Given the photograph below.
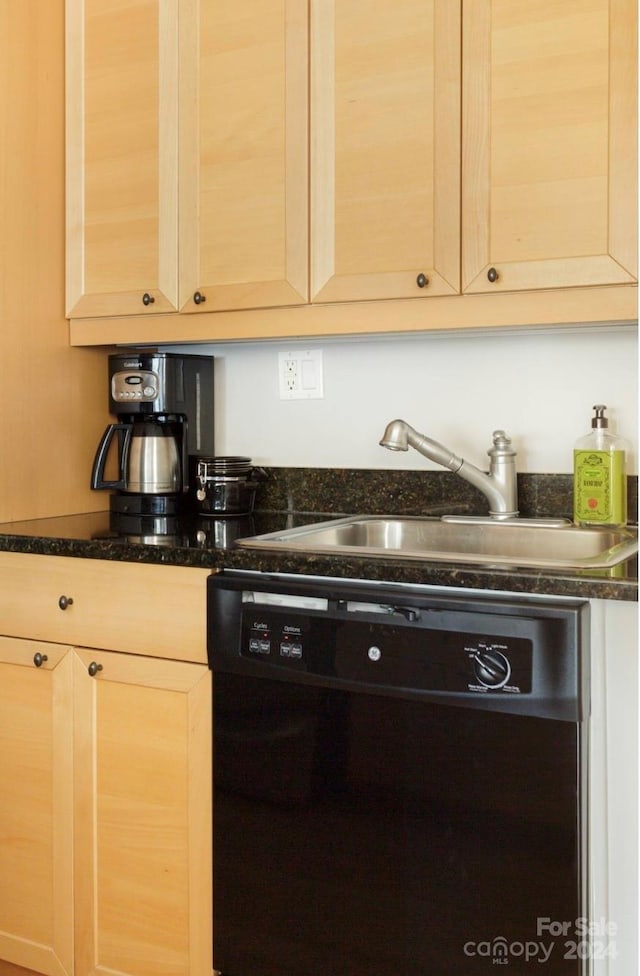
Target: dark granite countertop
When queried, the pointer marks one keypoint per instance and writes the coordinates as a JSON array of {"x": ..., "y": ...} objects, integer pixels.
[
  {"x": 209, "y": 543},
  {"x": 297, "y": 496}
]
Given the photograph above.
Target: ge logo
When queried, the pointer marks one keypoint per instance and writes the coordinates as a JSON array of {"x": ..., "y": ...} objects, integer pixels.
[{"x": 374, "y": 653}]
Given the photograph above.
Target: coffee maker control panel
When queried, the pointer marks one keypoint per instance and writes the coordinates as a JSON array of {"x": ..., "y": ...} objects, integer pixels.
[
  {"x": 142, "y": 386},
  {"x": 147, "y": 384}
]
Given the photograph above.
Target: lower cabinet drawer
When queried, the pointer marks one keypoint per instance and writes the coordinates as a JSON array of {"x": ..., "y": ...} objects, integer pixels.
[{"x": 133, "y": 607}]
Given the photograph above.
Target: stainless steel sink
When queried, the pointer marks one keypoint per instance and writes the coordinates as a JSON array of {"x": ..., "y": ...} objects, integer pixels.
[{"x": 516, "y": 542}]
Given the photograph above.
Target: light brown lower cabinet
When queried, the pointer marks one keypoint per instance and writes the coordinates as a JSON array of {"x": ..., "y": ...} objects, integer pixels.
[
  {"x": 36, "y": 806},
  {"x": 105, "y": 813}
]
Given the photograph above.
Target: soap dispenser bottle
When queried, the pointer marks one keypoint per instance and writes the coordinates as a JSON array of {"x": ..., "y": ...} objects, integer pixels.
[{"x": 599, "y": 475}]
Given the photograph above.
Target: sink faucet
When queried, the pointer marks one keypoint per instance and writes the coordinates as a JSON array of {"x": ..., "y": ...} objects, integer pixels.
[{"x": 499, "y": 486}]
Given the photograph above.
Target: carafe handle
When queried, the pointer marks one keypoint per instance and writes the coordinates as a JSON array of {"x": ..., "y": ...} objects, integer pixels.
[{"x": 97, "y": 474}]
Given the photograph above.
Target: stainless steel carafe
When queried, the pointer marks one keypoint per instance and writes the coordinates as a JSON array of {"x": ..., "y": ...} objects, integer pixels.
[
  {"x": 153, "y": 464},
  {"x": 148, "y": 458}
]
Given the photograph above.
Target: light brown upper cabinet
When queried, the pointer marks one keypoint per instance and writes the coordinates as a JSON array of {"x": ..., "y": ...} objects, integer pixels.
[
  {"x": 385, "y": 149},
  {"x": 187, "y": 172},
  {"x": 549, "y": 161},
  {"x": 243, "y": 154},
  {"x": 122, "y": 156},
  {"x": 313, "y": 154}
]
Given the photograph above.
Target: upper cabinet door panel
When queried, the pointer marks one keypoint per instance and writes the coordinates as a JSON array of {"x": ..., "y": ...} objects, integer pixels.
[
  {"x": 549, "y": 144},
  {"x": 243, "y": 154},
  {"x": 122, "y": 77},
  {"x": 385, "y": 149}
]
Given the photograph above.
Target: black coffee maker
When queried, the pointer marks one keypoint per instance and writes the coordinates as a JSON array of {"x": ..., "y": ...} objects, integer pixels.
[{"x": 164, "y": 405}]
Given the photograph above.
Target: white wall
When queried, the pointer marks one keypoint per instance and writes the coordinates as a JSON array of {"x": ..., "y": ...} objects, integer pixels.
[{"x": 457, "y": 388}]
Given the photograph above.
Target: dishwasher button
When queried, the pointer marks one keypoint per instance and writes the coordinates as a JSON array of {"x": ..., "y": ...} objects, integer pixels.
[
  {"x": 258, "y": 645},
  {"x": 291, "y": 650}
]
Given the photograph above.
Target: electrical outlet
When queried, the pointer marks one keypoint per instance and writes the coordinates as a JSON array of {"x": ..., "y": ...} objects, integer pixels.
[
  {"x": 290, "y": 377},
  {"x": 300, "y": 374}
]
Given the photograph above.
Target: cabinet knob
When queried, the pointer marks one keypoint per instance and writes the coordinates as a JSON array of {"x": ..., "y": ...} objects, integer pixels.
[
  {"x": 39, "y": 659},
  {"x": 147, "y": 299},
  {"x": 422, "y": 281},
  {"x": 199, "y": 298},
  {"x": 93, "y": 668},
  {"x": 64, "y": 602},
  {"x": 492, "y": 275}
]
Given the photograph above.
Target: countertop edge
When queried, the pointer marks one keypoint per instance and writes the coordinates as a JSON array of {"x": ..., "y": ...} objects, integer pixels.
[{"x": 515, "y": 580}]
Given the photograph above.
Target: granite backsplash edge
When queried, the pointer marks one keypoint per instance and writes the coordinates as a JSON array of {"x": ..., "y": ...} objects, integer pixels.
[{"x": 344, "y": 491}]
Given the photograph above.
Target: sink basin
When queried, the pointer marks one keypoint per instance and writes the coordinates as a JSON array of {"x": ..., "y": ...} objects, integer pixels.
[{"x": 517, "y": 542}]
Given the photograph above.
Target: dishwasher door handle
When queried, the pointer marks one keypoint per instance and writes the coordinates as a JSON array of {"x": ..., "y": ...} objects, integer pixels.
[{"x": 409, "y": 613}]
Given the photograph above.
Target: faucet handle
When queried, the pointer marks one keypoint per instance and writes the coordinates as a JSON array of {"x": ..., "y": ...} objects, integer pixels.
[{"x": 501, "y": 445}]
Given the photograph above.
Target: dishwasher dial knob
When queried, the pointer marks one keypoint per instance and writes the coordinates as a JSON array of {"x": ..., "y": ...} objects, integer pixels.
[{"x": 491, "y": 667}]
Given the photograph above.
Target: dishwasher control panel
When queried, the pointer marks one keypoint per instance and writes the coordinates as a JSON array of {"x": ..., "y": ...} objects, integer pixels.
[
  {"x": 284, "y": 640},
  {"x": 500, "y": 652},
  {"x": 350, "y": 647}
]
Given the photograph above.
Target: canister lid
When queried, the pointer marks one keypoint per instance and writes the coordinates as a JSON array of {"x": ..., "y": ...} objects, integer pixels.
[{"x": 229, "y": 467}]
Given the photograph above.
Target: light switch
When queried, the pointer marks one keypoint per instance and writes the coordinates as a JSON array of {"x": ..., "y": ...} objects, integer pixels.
[{"x": 309, "y": 381}]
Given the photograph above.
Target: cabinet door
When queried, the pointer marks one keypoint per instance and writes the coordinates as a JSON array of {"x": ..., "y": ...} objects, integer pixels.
[
  {"x": 549, "y": 135},
  {"x": 243, "y": 154},
  {"x": 385, "y": 157},
  {"x": 143, "y": 775},
  {"x": 122, "y": 76},
  {"x": 36, "y": 773}
]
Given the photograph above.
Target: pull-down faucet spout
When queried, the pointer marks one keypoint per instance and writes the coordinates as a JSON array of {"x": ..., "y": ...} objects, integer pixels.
[{"x": 499, "y": 486}]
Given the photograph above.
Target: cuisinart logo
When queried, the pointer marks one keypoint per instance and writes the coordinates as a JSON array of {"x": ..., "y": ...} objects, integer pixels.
[{"x": 132, "y": 364}]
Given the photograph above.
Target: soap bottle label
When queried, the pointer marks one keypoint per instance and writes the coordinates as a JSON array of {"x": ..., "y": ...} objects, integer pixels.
[{"x": 599, "y": 487}]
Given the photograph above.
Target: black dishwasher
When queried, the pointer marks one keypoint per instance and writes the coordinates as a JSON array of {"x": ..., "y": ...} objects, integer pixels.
[{"x": 399, "y": 779}]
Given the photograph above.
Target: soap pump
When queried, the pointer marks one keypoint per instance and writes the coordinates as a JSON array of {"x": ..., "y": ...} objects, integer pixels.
[{"x": 599, "y": 475}]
